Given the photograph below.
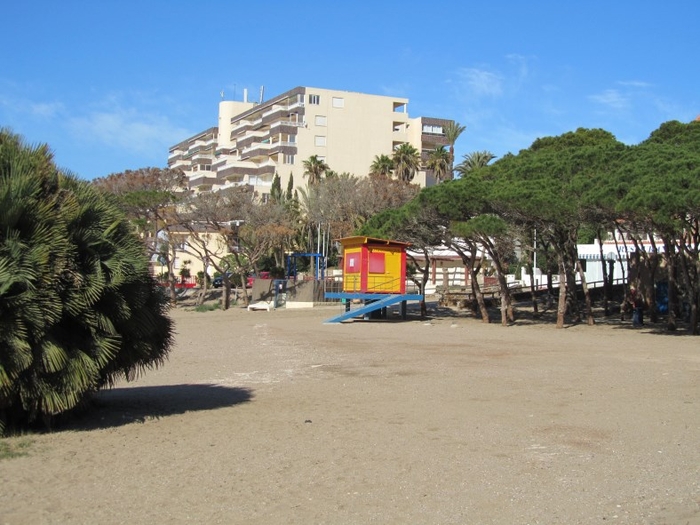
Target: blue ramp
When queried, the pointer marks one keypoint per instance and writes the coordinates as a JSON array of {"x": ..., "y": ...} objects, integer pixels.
[{"x": 376, "y": 304}]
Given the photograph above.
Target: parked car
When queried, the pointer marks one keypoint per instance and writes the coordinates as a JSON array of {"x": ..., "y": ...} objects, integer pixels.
[
  {"x": 218, "y": 282},
  {"x": 251, "y": 278}
]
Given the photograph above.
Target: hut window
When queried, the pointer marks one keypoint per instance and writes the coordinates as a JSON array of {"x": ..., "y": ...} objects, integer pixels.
[
  {"x": 352, "y": 263},
  {"x": 376, "y": 262}
]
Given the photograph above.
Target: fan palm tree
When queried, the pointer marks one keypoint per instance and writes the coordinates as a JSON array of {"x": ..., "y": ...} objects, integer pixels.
[
  {"x": 439, "y": 163},
  {"x": 452, "y": 132},
  {"x": 472, "y": 161},
  {"x": 78, "y": 307},
  {"x": 314, "y": 168},
  {"x": 382, "y": 165},
  {"x": 407, "y": 162}
]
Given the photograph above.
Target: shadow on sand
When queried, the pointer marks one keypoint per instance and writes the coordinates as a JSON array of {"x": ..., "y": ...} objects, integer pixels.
[{"x": 121, "y": 406}]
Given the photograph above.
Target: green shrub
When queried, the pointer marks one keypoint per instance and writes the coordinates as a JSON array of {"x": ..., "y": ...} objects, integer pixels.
[
  {"x": 207, "y": 307},
  {"x": 78, "y": 308}
]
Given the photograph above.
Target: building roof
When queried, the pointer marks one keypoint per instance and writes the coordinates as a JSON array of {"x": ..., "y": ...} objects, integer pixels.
[{"x": 361, "y": 239}]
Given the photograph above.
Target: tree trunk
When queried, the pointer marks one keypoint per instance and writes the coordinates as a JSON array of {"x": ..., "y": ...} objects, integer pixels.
[
  {"x": 590, "y": 320},
  {"x": 172, "y": 278},
  {"x": 671, "y": 269},
  {"x": 561, "y": 307},
  {"x": 478, "y": 295},
  {"x": 425, "y": 277},
  {"x": 606, "y": 279},
  {"x": 533, "y": 290},
  {"x": 571, "y": 297},
  {"x": 202, "y": 291},
  {"x": 506, "y": 305},
  {"x": 470, "y": 263}
]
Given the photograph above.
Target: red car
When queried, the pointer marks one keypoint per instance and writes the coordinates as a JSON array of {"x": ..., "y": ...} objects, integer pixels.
[{"x": 251, "y": 278}]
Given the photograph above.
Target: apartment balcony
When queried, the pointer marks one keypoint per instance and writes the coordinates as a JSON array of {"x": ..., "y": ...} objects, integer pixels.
[
  {"x": 286, "y": 127},
  {"x": 237, "y": 170},
  {"x": 259, "y": 181},
  {"x": 203, "y": 157},
  {"x": 222, "y": 150},
  {"x": 234, "y": 178},
  {"x": 202, "y": 182},
  {"x": 174, "y": 157},
  {"x": 252, "y": 138},
  {"x": 276, "y": 109},
  {"x": 220, "y": 162},
  {"x": 269, "y": 168},
  {"x": 177, "y": 150},
  {"x": 282, "y": 114},
  {"x": 261, "y": 151},
  {"x": 178, "y": 163},
  {"x": 290, "y": 123},
  {"x": 231, "y": 184},
  {"x": 193, "y": 151},
  {"x": 257, "y": 151},
  {"x": 286, "y": 106},
  {"x": 242, "y": 126},
  {"x": 208, "y": 141}
]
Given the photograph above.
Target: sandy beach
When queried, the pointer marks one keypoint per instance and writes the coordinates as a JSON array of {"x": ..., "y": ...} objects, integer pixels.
[{"x": 275, "y": 417}]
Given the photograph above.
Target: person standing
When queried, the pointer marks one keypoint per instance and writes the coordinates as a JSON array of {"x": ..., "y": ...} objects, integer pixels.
[{"x": 637, "y": 308}]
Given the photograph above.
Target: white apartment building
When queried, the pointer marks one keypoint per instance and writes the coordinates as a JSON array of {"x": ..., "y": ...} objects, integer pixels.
[{"x": 347, "y": 130}]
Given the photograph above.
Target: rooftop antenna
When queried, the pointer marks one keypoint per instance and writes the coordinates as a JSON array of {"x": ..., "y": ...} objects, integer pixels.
[
  {"x": 222, "y": 94},
  {"x": 262, "y": 92}
]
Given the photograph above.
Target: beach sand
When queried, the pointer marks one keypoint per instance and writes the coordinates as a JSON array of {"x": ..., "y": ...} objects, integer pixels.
[{"x": 275, "y": 417}]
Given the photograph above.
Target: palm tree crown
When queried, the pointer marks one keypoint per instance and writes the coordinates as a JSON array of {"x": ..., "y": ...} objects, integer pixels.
[
  {"x": 314, "y": 168},
  {"x": 472, "y": 161},
  {"x": 406, "y": 162},
  {"x": 439, "y": 163},
  {"x": 452, "y": 132},
  {"x": 382, "y": 165}
]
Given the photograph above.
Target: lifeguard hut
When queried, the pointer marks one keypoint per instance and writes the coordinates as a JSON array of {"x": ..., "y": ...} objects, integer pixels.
[{"x": 374, "y": 272}]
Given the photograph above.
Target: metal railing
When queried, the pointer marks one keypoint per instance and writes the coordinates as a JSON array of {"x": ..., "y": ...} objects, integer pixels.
[{"x": 375, "y": 284}]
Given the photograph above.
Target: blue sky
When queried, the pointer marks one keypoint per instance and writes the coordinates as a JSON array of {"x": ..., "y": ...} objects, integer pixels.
[{"x": 111, "y": 85}]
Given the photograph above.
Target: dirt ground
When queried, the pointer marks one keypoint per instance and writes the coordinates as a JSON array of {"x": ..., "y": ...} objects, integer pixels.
[{"x": 275, "y": 417}]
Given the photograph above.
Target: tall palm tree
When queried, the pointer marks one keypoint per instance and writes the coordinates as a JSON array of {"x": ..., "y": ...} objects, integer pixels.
[
  {"x": 314, "y": 168},
  {"x": 382, "y": 165},
  {"x": 439, "y": 163},
  {"x": 406, "y": 162},
  {"x": 452, "y": 132},
  {"x": 472, "y": 161}
]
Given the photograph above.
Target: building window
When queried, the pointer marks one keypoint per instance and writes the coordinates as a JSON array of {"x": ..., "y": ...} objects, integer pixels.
[
  {"x": 288, "y": 159},
  {"x": 315, "y": 99},
  {"x": 338, "y": 102},
  {"x": 320, "y": 140},
  {"x": 320, "y": 120},
  {"x": 377, "y": 262},
  {"x": 352, "y": 262},
  {"x": 434, "y": 130}
]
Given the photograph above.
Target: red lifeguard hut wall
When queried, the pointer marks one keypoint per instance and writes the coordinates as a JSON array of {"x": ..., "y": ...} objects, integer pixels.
[{"x": 373, "y": 265}]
